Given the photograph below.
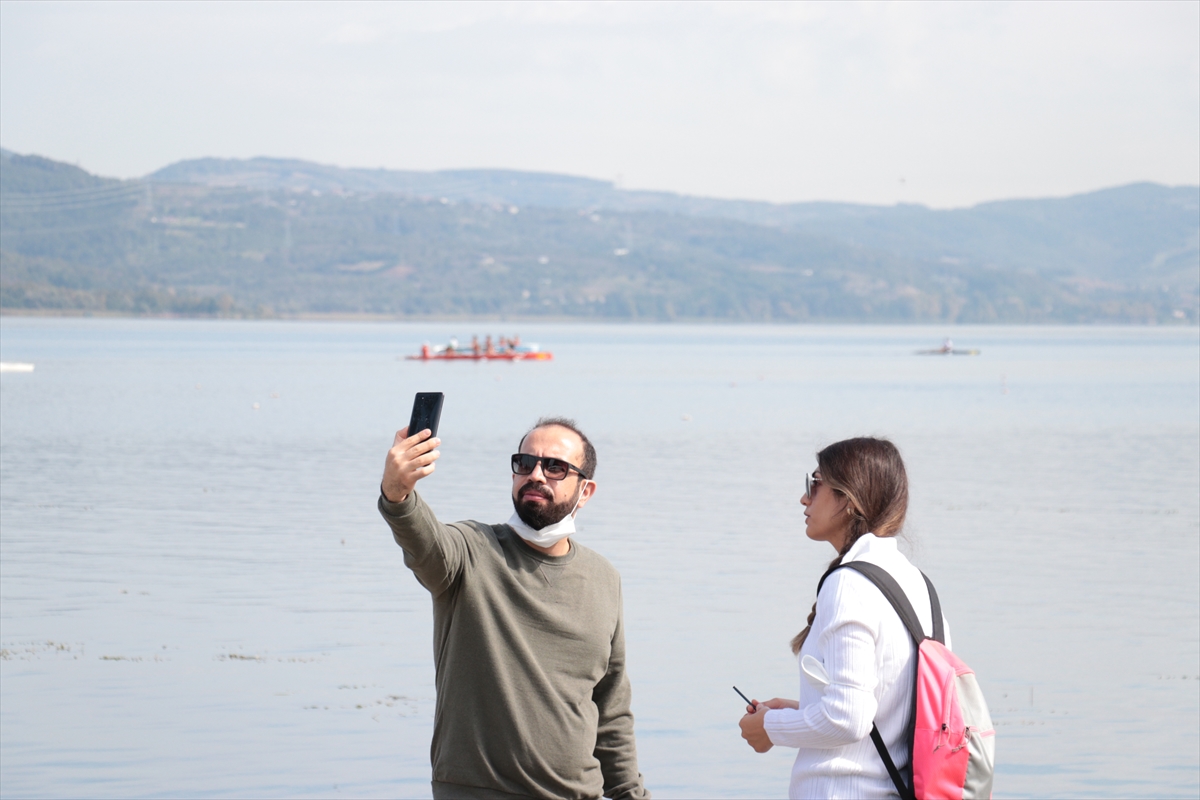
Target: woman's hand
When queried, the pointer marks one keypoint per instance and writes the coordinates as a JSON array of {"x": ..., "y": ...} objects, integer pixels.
[{"x": 752, "y": 727}]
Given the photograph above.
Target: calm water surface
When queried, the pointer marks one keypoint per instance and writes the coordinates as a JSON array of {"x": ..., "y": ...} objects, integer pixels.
[{"x": 198, "y": 598}]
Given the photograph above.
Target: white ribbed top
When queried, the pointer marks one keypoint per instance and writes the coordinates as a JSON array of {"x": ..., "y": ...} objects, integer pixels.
[{"x": 869, "y": 657}]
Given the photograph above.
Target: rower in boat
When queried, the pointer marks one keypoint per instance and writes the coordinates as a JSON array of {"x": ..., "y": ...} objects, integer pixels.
[
  {"x": 498, "y": 349},
  {"x": 947, "y": 349}
]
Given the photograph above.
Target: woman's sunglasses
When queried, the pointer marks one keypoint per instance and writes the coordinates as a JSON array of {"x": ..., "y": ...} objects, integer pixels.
[
  {"x": 810, "y": 482},
  {"x": 553, "y": 468}
]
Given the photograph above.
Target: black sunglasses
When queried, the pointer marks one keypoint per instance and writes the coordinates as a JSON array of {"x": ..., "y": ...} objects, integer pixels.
[
  {"x": 553, "y": 468},
  {"x": 810, "y": 483}
]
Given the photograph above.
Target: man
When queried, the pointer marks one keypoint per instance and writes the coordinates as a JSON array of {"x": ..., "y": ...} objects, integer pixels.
[{"x": 529, "y": 644}]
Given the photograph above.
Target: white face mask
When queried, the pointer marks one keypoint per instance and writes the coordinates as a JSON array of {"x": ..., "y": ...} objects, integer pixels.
[{"x": 551, "y": 534}]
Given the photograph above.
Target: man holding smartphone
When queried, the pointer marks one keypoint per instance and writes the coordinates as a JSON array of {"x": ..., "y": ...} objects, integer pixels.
[{"x": 529, "y": 644}]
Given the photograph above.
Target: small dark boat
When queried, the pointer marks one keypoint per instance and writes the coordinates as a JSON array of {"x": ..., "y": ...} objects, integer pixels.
[{"x": 948, "y": 349}]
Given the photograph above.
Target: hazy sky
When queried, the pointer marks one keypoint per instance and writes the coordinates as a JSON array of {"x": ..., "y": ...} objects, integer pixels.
[{"x": 946, "y": 104}]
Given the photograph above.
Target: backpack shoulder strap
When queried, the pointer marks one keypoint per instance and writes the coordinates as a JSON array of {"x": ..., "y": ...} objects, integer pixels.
[
  {"x": 899, "y": 600},
  {"x": 894, "y": 594},
  {"x": 935, "y": 607},
  {"x": 897, "y": 780}
]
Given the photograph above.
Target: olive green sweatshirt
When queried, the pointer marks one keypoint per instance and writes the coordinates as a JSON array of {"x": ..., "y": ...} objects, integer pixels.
[{"x": 529, "y": 650}]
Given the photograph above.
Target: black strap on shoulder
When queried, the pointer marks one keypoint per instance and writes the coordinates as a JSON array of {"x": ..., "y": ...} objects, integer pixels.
[
  {"x": 897, "y": 779},
  {"x": 821, "y": 582},
  {"x": 935, "y": 607},
  {"x": 899, "y": 601},
  {"x": 894, "y": 594}
]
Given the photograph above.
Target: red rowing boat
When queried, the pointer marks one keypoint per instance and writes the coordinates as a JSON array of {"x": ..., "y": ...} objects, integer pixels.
[
  {"x": 426, "y": 355},
  {"x": 509, "y": 350}
]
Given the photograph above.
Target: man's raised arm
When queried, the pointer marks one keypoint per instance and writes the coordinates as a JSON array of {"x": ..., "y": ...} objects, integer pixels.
[{"x": 433, "y": 551}]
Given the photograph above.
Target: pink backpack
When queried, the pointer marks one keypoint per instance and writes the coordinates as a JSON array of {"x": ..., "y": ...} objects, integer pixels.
[{"x": 950, "y": 733}]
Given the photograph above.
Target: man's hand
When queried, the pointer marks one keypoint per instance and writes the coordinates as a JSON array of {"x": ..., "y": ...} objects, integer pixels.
[
  {"x": 752, "y": 725},
  {"x": 410, "y": 459}
]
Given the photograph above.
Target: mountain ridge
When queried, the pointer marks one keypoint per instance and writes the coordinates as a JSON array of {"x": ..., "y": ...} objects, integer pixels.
[
  {"x": 284, "y": 236},
  {"x": 911, "y": 230}
]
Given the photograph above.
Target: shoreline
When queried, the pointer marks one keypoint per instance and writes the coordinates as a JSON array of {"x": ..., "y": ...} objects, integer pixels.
[{"x": 338, "y": 316}]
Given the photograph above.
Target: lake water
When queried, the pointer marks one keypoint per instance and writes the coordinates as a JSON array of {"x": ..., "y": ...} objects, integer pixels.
[{"x": 198, "y": 597}]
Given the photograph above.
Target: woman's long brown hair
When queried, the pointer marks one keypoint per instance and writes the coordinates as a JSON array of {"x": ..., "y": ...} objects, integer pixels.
[{"x": 869, "y": 473}]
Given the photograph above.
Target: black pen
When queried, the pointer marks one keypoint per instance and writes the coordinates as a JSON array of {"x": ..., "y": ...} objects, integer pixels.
[{"x": 747, "y": 699}]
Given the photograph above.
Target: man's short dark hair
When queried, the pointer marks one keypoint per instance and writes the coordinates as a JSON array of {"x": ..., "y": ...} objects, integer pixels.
[{"x": 589, "y": 453}]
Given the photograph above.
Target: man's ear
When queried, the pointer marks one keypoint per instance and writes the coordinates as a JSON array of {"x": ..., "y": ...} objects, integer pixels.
[{"x": 589, "y": 489}]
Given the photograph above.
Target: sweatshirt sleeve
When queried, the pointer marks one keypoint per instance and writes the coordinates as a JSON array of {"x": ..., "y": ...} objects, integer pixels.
[
  {"x": 848, "y": 705},
  {"x": 436, "y": 553},
  {"x": 615, "y": 747}
]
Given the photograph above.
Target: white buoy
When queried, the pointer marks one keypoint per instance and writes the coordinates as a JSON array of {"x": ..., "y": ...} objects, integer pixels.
[{"x": 15, "y": 366}]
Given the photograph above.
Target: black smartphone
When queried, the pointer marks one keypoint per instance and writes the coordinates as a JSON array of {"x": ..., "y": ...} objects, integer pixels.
[{"x": 426, "y": 413}]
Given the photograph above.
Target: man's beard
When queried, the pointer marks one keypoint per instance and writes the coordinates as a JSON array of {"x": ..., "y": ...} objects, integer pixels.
[{"x": 539, "y": 515}]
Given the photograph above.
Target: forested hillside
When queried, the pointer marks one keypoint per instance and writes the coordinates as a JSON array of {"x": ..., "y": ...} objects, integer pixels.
[{"x": 269, "y": 237}]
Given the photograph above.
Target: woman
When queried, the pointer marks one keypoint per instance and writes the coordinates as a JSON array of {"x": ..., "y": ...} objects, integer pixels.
[{"x": 855, "y": 501}]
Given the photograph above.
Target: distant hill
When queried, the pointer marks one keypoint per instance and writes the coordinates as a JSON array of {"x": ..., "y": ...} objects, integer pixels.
[
  {"x": 34, "y": 175},
  {"x": 1145, "y": 229},
  {"x": 282, "y": 236}
]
